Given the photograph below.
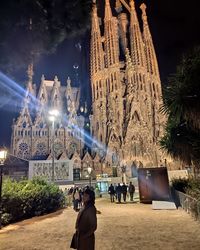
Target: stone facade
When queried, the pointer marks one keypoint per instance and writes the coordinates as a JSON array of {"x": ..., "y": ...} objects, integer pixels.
[
  {"x": 32, "y": 131},
  {"x": 125, "y": 123},
  {"x": 126, "y": 90}
]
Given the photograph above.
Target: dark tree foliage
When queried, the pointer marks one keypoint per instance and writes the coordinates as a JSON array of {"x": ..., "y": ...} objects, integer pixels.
[
  {"x": 182, "y": 105},
  {"x": 52, "y": 22}
]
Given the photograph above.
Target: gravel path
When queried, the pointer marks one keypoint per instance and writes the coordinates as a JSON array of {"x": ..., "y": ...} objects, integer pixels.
[{"x": 120, "y": 227}]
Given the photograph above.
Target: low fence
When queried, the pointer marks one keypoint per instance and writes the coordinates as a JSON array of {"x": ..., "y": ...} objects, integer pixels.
[{"x": 189, "y": 204}]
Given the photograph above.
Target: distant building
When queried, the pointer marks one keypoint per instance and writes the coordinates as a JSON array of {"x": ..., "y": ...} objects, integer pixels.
[{"x": 32, "y": 131}]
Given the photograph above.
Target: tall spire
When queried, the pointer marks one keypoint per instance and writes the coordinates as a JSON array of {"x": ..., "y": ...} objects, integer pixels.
[
  {"x": 30, "y": 73},
  {"x": 108, "y": 12},
  {"x": 111, "y": 37},
  {"x": 152, "y": 64},
  {"x": 97, "y": 54},
  {"x": 136, "y": 41}
]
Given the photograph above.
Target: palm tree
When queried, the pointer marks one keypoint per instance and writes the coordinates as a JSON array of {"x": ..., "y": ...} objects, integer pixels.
[{"x": 182, "y": 106}]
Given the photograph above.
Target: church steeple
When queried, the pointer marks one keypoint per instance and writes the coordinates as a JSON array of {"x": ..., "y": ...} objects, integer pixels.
[
  {"x": 97, "y": 54},
  {"x": 108, "y": 12},
  {"x": 111, "y": 37},
  {"x": 136, "y": 41},
  {"x": 152, "y": 64}
]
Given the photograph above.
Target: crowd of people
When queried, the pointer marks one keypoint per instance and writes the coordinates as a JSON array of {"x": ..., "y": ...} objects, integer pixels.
[
  {"x": 118, "y": 191},
  {"x": 75, "y": 197}
]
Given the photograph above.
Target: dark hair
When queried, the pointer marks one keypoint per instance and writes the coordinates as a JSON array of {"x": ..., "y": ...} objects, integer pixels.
[{"x": 91, "y": 196}]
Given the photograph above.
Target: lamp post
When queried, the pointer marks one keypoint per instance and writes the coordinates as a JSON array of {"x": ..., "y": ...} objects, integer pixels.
[
  {"x": 53, "y": 114},
  {"x": 89, "y": 169},
  {"x": 3, "y": 154}
]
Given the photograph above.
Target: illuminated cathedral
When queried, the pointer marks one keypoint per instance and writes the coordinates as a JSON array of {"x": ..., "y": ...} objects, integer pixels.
[
  {"x": 126, "y": 88},
  {"x": 125, "y": 122}
]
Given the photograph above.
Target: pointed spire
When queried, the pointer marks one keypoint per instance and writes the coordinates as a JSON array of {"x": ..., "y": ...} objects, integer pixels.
[
  {"x": 144, "y": 15},
  {"x": 55, "y": 79},
  {"x": 30, "y": 72},
  {"x": 108, "y": 12},
  {"x": 42, "y": 79},
  {"x": 97, "y": 54},
  {"x": 68, "y": 82},
  {"x": 136, "y": 41},
  {"x": 151, "y": 60},
  {"x": 95, "y": 21},
  {"x": 111, "y": 37}
]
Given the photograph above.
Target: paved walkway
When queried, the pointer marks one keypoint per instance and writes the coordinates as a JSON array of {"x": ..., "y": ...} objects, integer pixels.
[{"x": 120, "y": 227}]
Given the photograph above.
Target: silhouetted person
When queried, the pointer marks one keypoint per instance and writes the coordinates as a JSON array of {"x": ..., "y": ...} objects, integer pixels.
[
  {"x": 111, "y": 191},
  {"x": 119, "y": 192},
  {"x": 124, "y": 191},
  {"x": 131, "y": 190}
]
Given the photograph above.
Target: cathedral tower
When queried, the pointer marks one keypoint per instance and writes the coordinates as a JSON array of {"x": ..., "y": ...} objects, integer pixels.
[{"x": 132, "y": 97}]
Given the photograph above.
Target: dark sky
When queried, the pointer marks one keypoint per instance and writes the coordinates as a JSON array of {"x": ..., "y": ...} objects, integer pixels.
[{"x": 175, "y": 29}]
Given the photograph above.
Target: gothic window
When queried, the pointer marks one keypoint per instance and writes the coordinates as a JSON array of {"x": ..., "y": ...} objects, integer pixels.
[
  {"x": 93, "y": 91},
  {"x": 58, "y": 148},
  {"x": 118, "y": 114},
  {"x": 115, "y": 159},
  {"x": 109, "y": 85},
  {"x": 41, "y": 149},
  {"x": 137, "y": 81},
  {"x": 114, "y": 76},
  {"x": 140, "y": 77},
  {"x": 153, "y": 87},
  {"x": 72, "y": 148},
  {"x": 143, "y": 78},
  {"x": 25, "y": 133},
  {"x": 115, "y": 84},
  {"x": 150, "y": 89},
  {"x": 97, "y": 126},
  {"x": 24, "y": 125},
  {"x": 100, "y": 138},
  {"x": 23, "y": 146},
  {"x": 134, "y": 78},
  {"x": 99, "y": 84}
]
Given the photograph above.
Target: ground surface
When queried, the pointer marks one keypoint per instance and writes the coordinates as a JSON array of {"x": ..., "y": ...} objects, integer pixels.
[{"x": 120, "y": 227}]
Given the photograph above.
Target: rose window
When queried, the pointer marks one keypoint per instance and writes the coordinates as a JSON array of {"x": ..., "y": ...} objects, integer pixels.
[{"x": 23, "y": 146}]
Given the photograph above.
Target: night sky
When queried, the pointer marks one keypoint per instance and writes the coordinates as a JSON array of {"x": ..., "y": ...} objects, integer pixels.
[{"x": 174, "y": 25}]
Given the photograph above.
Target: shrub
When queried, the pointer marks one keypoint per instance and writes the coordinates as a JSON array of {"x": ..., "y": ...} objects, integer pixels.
[
  {"x": 180, "y": 184},
  {"x": 28, "y": 198}
]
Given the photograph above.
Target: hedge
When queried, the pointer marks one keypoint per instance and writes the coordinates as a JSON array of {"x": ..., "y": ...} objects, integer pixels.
[{"x": 28, "y": 198}]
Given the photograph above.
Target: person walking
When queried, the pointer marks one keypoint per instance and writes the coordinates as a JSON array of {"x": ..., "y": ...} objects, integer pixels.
[
  {"x": 76, "y": 198},
  {"x": 111, "y": 191},
  {"x": 131, "y": 190},
  {"x": 124, "y": 191},
  {"x": 119, "y": 192},
  {"x": 86, "y": 223}
]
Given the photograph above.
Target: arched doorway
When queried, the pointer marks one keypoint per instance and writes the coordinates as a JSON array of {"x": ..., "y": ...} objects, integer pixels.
[{"x": 134, "y": 172}]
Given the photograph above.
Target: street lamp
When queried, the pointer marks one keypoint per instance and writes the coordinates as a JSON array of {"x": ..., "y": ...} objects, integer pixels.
[
  {"x": 3, "y": 154},
  {"x": 53, "y": 114},
  {"x": 89, "y": 169}
]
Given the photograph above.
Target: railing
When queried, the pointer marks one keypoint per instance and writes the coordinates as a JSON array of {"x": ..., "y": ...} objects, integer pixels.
[{"x": 189, "y": 204}]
